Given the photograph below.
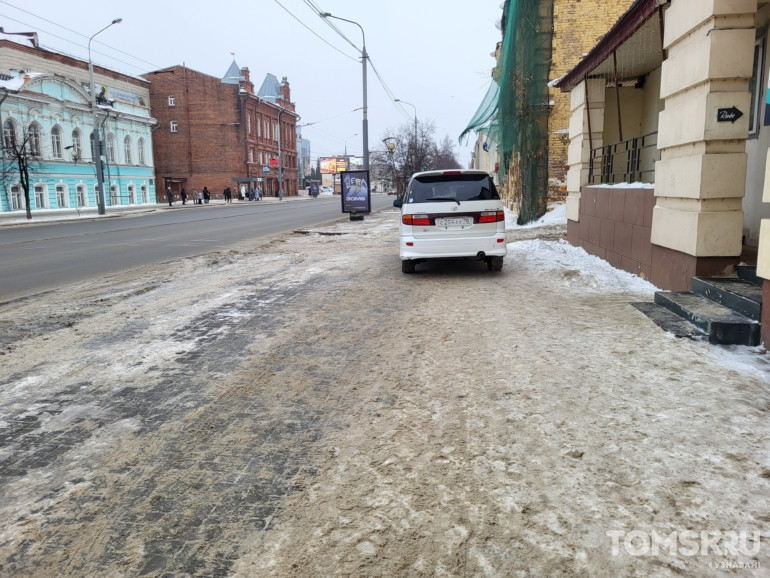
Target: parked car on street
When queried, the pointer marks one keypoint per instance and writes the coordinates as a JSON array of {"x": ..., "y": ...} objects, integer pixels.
[
  {"x": 448, "y": 214},
  {"x": 327, "y": 190}
]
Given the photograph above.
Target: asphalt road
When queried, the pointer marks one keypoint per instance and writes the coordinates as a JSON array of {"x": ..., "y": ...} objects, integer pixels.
[{"x": 45, "y": 256}]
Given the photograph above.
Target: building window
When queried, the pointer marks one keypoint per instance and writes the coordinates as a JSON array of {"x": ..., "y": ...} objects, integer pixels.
[
  {"x": 174, "y": 127},
  {"x": 248, "y": 122},
  {"x": 111, "y": 148},
  {"x": 40, "y": 197},
  {"x": 114, "y": 195},
  {"x": 251, "y": 155},
  {"x": 259, "y": 126},
  {"x": 17, "y": 198},
  {"x": 77, "y": 145},
  {"x": 127, "y": 150},
  {"x": 756, "y": 84},
  {"x": 56, "y": 149},
  {"x": 145, "y": 196},
  {"x": 140, "y": 151},
  {"x": 9, "y": 133},
  {"x": 61, "y": 197},
  {"x": 80, "y": 190},
  {"x": 131, "y": 195},
  {"x": 171, "y": 100},
  {"x": 33, "y": 141}
]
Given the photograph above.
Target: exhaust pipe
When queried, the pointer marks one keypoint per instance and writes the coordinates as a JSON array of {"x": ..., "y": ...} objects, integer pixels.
[{"x": 481, "y": 255}]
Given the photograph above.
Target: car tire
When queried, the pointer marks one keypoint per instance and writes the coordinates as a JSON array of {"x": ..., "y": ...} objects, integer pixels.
[
  {"x": 407, "y": 267},
  {"x": 495, "y": 263}
]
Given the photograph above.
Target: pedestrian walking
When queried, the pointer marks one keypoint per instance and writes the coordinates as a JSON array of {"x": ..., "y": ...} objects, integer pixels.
[
  {"x": 169, "y": 196},
  {"x": 228, "y": 195},
  {"x": 184, "y": 196},
  {"x": 200, "y": 197},
  {"x": 206, "y": 195},
  {"x": 258, "y": 193},
  {"x": 251, "y": 193}
]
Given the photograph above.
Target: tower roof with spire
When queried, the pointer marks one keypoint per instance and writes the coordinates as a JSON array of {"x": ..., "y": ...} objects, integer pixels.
[
  {"x": 233, "y": 74},
  {"x": 270, "y": 89}
]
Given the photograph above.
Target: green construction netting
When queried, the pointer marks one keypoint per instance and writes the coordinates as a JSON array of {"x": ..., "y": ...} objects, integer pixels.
[
  {"x": 523, "y": 104},
  {"x": 485, "y": 118}
]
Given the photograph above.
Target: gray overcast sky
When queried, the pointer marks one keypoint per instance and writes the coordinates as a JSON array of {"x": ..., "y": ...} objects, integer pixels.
[{"x": 434, "y": 54}]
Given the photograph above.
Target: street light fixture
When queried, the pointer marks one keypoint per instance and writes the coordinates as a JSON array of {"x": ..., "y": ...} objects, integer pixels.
[
  {"x": 346, "y": 143},
  {"x": 364, "y": 57},
  {"x": 390, "y": 144},
  {"x": 415, "y": 118},
  {"x": 96, "y": 134},
  {"x": 414, "y": 144}
]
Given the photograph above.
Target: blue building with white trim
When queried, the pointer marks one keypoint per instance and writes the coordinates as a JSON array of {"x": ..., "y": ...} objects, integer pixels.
[{"x": 45, "y": 99}]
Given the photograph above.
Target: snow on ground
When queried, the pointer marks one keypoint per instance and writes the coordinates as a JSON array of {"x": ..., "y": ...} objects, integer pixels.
[{"x": 556, "y": 215}]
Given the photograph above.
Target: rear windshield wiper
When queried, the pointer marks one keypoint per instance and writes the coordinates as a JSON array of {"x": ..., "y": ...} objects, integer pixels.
[{"x": 431, "y": 199}]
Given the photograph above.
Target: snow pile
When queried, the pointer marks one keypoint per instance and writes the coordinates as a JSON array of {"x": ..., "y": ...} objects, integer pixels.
[
  {"x": 557, "y": 215},
  {"x": 576, "y": 266}
]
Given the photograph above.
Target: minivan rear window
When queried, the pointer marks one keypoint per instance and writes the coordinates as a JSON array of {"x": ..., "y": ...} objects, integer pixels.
[{"x": 436, "y": 188}]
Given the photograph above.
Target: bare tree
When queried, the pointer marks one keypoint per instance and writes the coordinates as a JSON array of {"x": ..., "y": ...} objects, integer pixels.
[
  {"x": 20, "y": 156},
  {"x": 417, "y": 151}
]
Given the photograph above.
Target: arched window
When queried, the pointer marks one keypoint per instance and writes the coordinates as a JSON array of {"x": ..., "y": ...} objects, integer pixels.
[
  {"x": 127, "y": 156},
  {"x": 82, "y": 195},
  {"x": 77, "y": 144},
  {"x": 140, "y": 151},
  {"x": 9, "y": 133},
  {"x": 111, "y": 148},
  {"x": 33, "y": 140},
  {"x": 56, "y": 147}
]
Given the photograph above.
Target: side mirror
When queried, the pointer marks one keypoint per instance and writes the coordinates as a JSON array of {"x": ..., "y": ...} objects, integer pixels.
[{"x": 398, "y": 203}]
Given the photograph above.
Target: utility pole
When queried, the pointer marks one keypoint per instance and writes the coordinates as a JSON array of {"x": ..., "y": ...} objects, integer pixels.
[{"x": 96, "y": 135}]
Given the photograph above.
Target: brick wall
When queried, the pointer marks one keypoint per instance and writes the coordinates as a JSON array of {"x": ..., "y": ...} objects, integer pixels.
[
  {"x": 577, "y": 26},
  {"x": 212, "y": 142},
  {"x": 615, "y": 225}
]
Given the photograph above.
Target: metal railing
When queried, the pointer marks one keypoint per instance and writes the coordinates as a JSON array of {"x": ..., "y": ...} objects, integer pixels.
[{"x": 628, "y": 161}]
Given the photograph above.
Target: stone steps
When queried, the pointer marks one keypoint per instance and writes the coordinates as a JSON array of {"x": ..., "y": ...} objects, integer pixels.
[{"x": 722, "y": 310}]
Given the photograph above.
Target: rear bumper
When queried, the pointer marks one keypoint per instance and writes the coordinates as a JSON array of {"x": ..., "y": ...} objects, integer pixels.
[{"x": 445, "y": 248}]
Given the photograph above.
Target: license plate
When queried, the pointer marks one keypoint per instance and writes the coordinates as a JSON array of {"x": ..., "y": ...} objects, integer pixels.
[{"x": 454, "y": 221}]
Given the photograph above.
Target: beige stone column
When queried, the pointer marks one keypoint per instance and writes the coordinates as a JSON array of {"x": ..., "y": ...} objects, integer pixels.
[
  {"x": 763, "y": 259},
  {"x": 581, "y": 139},
  {"x": 700, "y": 180}
]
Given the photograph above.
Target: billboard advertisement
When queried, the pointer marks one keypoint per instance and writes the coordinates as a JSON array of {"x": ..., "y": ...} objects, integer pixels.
[
  {"x": 356, "y": 196},
  {"x": 332, "y": 165}
]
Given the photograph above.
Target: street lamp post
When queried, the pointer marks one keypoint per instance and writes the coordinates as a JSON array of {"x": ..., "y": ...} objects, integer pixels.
[
  {"x": 346, "y": 143},
  {"x": 280, "y": 160},
  {"x": 96, "y": 134},
  {"x": 414, "y": 145},
  {"x": 390, "y": 144},
  {"x": 364, "y": 57}
]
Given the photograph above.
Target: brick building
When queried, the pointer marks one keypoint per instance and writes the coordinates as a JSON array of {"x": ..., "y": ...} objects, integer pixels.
[
  {"x": 577, "y": 26},
  {"x": 217, "y": 133}
]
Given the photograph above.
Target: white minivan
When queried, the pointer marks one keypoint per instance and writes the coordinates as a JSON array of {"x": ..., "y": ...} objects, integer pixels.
[{"x": 451, "y": 213}]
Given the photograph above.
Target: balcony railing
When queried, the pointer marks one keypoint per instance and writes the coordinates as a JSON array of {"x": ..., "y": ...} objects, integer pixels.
[{"x": 628, "y": 161}]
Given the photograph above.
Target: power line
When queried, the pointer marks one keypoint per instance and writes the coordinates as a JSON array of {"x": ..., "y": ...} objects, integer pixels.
[{"x": 313, "y": 31}]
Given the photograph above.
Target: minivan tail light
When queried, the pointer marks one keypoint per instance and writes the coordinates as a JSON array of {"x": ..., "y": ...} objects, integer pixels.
[
  {"x": 415, "y": 220},
  {"x": 492, "y": 216}
]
